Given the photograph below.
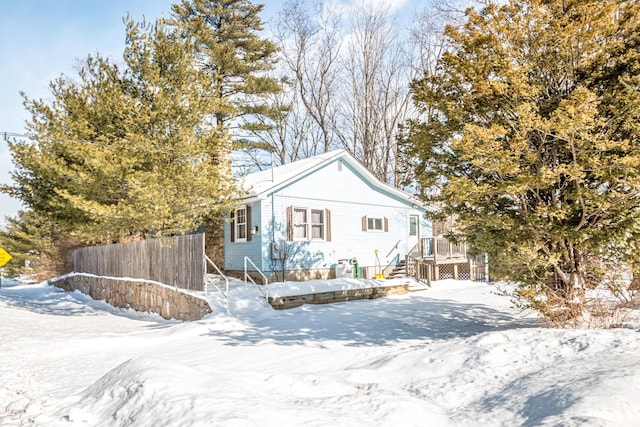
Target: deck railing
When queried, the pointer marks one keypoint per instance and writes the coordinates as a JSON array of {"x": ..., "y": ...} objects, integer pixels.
[
  {"x": 438, "y": 248},
  {"x": 419, "y": 269},
  {"x": 434, "y": 258}
]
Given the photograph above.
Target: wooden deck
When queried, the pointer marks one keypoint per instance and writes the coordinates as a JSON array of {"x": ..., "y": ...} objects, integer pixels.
[
  {"x": 435, "y": 258},
  {"x": 439, "y": 250}
]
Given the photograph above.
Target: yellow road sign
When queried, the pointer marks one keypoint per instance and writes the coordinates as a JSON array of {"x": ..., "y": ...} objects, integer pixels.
[{"x": 5, "y": 257}]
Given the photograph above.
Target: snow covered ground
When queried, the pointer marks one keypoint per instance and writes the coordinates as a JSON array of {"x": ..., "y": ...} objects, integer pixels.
[{"x": 454, "y": 355}]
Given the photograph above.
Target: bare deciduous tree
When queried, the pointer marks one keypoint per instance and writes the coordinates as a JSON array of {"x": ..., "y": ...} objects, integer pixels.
[
  {"x": 311, "y": 45},
  {"x": 353, "y": 68},
  {"x": 375, "y": 94},
  {"x": 283, "y": 131}
]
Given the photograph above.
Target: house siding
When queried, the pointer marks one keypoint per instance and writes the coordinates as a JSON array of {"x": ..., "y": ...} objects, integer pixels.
[
  {"x": 234, "y": 252},
  {"x": 349, "y": 197}
]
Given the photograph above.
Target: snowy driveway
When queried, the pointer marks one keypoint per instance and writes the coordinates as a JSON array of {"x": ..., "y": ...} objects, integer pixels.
[{"x": 457, "y": 354}]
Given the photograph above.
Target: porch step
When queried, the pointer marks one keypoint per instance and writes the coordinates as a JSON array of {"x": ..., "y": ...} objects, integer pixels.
[
  {"x": 400, "y": 270},
  {"x": 418, "y": 286}
]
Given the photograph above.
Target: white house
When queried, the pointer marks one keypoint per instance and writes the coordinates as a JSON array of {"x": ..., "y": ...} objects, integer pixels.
[{"x": 307, "y": 218}]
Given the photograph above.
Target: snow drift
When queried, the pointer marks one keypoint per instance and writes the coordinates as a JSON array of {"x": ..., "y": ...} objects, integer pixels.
[{"x": 457, "y": 354}]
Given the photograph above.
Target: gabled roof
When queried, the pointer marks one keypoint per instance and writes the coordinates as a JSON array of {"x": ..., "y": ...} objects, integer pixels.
[{"x": 259, "y": 185}]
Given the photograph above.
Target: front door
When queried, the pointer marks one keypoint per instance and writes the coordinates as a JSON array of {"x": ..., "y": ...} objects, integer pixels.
[{"x": 414, "y": 231}]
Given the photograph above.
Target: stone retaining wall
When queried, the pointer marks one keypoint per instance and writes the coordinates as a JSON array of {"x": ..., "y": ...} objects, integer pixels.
[
  {"x": 142, "y": 296},
  {"x": 282, "y": 303},
  {"x": 302, "y": 275}
]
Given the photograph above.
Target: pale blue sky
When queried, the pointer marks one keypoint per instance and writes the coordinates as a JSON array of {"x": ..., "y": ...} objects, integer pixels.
[{"x": 42, "y": 39}]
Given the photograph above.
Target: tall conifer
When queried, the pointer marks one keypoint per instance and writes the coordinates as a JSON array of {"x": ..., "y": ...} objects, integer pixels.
[
  {"x": 124, "y": 151},
  {"x": 232, "y": 54},
  {"x": 532, "y": 141}
]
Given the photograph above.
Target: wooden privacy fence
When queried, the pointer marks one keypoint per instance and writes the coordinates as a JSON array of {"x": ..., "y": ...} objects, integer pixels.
[{"x": 177, "y": 261}]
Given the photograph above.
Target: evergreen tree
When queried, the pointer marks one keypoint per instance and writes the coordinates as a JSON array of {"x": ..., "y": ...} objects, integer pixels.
[
  {"x": 37, "y": 249},
  {"x": 532, "y": 140},
  {"x": 125, "y": 151},
  {"x": 232, "y": 54}
]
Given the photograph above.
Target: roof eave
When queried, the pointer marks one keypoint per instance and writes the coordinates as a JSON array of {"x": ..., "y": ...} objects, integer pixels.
[{"x": 345, "y": 156}]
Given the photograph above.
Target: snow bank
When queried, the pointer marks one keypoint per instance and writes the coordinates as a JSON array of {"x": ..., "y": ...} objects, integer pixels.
[{"x": 457, "y": 354}]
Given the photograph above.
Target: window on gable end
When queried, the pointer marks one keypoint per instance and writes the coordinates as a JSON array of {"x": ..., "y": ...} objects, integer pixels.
[
  {"x": 380, "y": 224},
  {"x": 374, "y": 224}
]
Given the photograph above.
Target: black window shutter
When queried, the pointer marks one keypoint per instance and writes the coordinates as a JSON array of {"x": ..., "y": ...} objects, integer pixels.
[
  {"x": 233, "y": 226},
  {"x": 248, "y": 219}
]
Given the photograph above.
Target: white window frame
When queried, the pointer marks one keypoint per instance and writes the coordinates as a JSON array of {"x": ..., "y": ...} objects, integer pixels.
[
  {"x": 238, "y": 224},
  {"x": 297, "y": 225},
  {"x": 309, "y": 224},
  {"x": 374, "y": 220},
  {"x": 322, "y": 224}
]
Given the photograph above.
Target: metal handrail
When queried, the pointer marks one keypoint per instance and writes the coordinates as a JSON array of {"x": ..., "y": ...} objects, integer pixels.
[
  {"x": 249, "y": 278},
  {"x": 226, "y": 280},
  {"x": 395, "y": 259},
  {"x": 394, "y": 248}
]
